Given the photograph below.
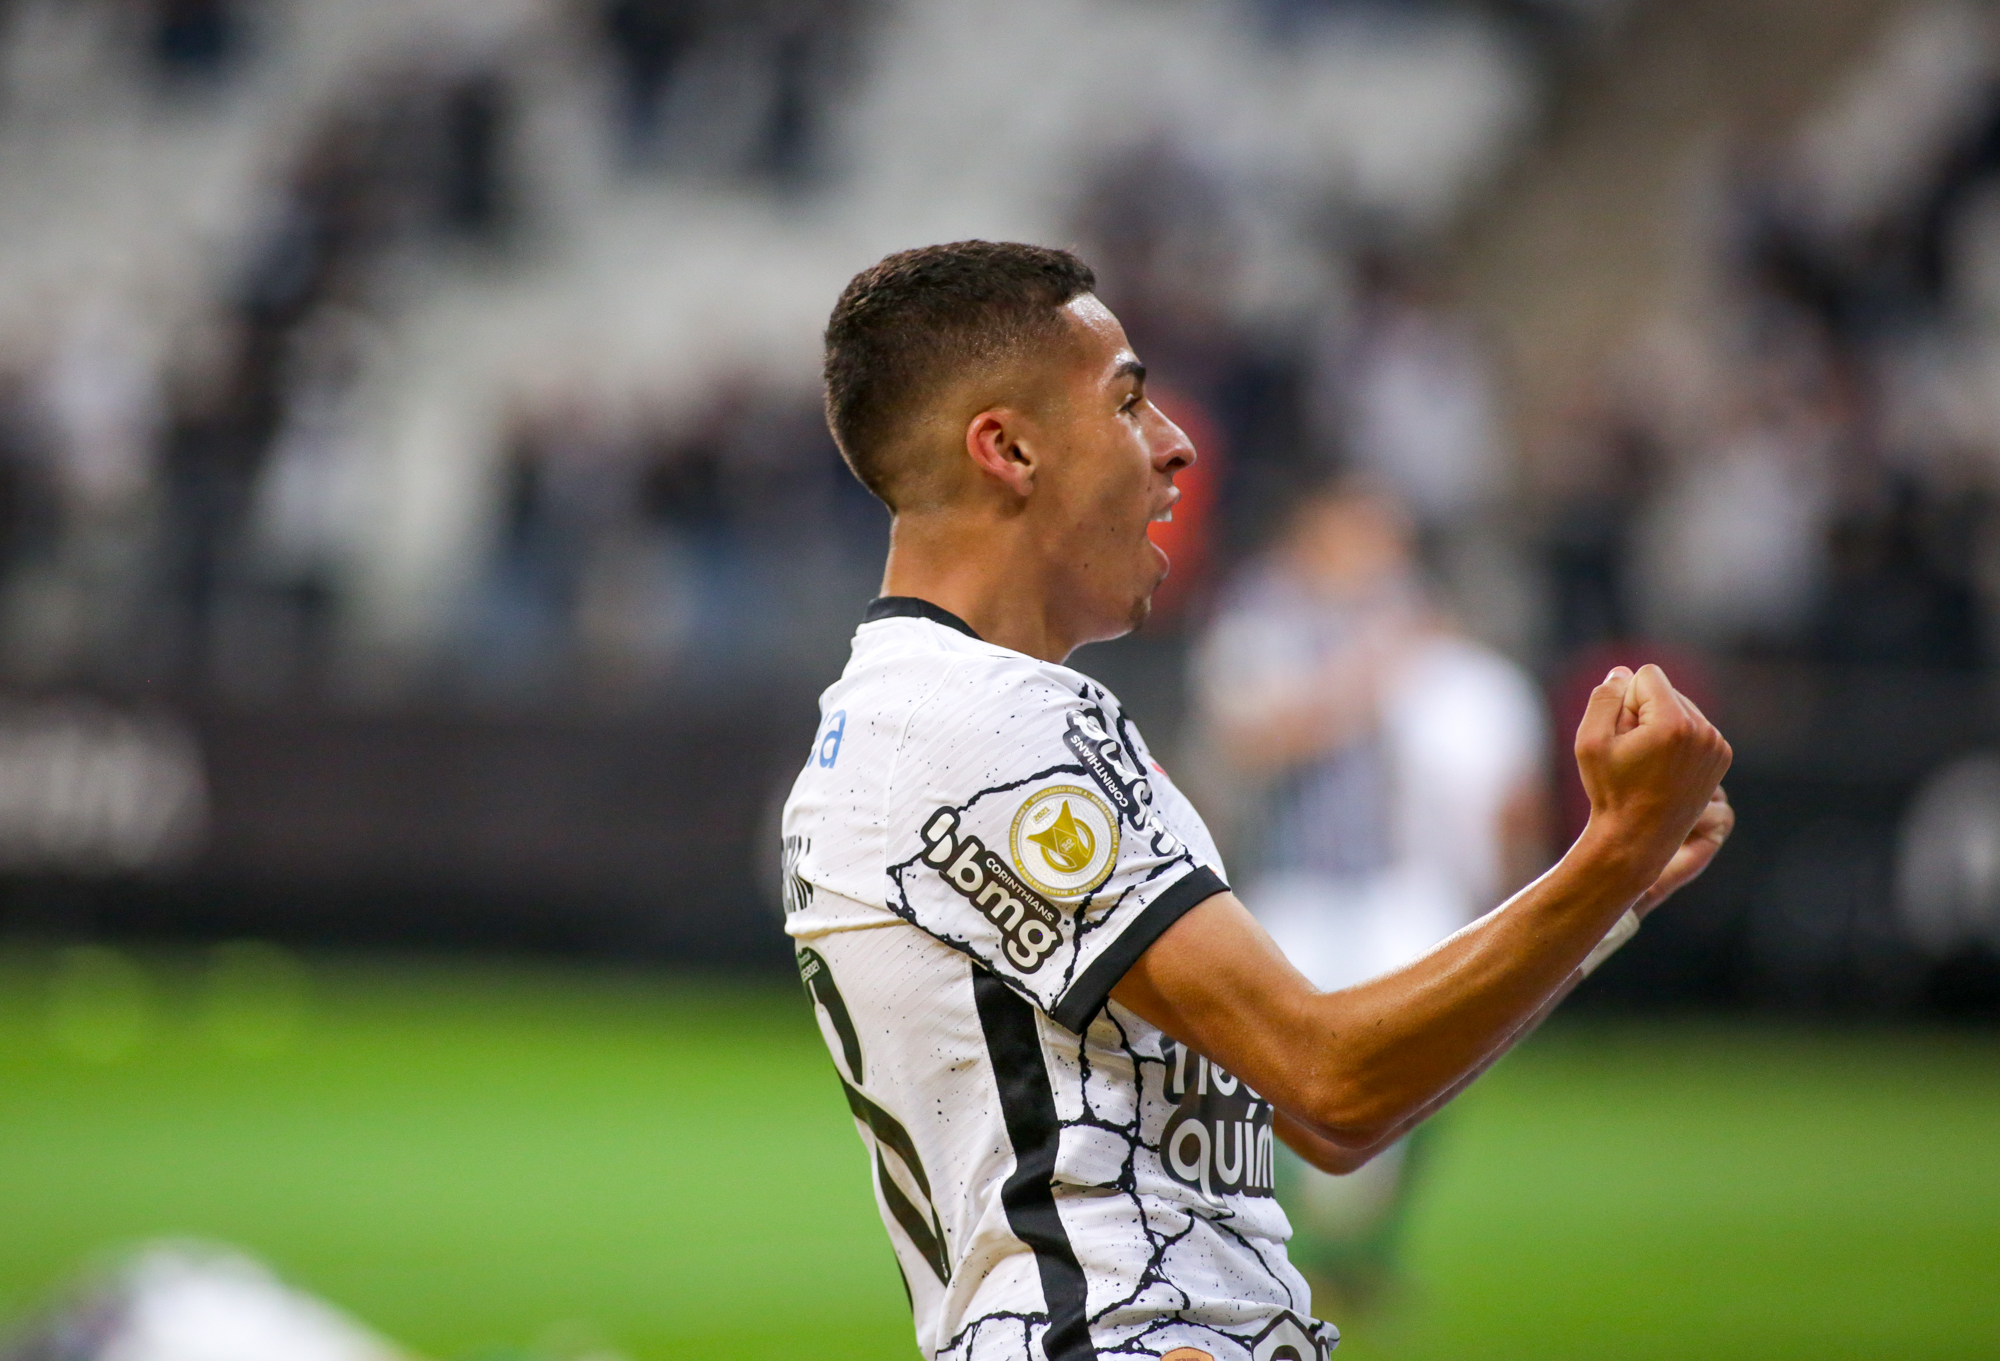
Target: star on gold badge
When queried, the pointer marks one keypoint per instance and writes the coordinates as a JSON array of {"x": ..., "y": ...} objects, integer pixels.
[{"x": 1067, "y": 845}]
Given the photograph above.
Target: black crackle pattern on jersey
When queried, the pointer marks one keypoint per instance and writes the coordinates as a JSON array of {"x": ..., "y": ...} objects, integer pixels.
[
  {"x": 1224, "y": 1129},
  {"x": 1194, "y": 1086}
]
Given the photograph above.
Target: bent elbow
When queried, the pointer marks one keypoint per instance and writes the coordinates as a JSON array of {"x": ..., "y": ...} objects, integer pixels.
[
  {"x": 1361, "y": 1110},
  {"x": 1354, "y": 1159},
  {"x": 1337, "y": 1160},
  {"x": 1354, "y": 1122}
]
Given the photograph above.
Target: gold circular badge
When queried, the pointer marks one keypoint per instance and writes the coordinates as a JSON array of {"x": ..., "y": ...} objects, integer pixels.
[{"x": 1065, "y": 841}]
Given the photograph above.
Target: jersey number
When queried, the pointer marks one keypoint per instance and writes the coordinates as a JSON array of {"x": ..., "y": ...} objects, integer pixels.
[{"x": 888, "y": 1134}]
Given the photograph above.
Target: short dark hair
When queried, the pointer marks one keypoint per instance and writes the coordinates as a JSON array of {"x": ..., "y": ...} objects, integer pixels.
[{"x": 907, "y": 325}]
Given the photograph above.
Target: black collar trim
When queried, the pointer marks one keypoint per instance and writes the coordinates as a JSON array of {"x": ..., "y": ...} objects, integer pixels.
[{"x": 900, "y": 606}]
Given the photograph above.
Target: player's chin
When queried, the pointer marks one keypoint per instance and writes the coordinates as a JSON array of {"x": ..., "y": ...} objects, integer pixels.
[
  {"x": 1142, "y": 602},
  {"x": 1141, "y": 611}
]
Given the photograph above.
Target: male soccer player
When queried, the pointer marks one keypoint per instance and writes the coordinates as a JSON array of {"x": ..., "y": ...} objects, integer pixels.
[{"x": 1066, "y": 1044}]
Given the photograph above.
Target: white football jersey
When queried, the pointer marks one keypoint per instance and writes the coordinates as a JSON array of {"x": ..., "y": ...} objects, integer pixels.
[{"x": 977, "y": 850}]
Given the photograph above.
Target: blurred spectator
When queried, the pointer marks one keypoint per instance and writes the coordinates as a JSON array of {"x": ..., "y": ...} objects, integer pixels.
[
  {"x": 262, "y": 471},
  {"x": 196, "y": 39},
  {"x": 84, "y": 430},
  {"x": 631, "y": 547},
  {"x": 812, "y": 57},
  {"x": 30, "y": 513},
  {"x": 1603, "y": 477},
  {"x": 769, "y": 71},
  {"x": 774, "y": 539},
  {"x": 570, "y": 485},
  {"x": 101, "y": 395},
  {"x": 1732, "y": 542},
  {"x": 649, "y": 42},
  {"x": 1903, "y": 589},
  {"x": 417, "y": 149},
  {"x": 1396, "y": 777},
  {"x": 476, "y": 195},
  {"x": 305, "y": 507},
  {"x": 1407, "y": 391}
]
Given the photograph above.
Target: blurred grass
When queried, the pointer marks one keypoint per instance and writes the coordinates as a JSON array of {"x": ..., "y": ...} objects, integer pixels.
[
  {"x": 480, "y": 1158},
  {"x": 1716, "y": 1191}
]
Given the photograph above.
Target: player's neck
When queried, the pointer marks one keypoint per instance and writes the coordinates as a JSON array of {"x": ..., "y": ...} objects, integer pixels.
[{"x": 987, "y": 574}]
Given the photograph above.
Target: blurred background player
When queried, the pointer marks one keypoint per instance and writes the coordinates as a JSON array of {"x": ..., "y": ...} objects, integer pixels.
[{"x": 1392, "y": 787}]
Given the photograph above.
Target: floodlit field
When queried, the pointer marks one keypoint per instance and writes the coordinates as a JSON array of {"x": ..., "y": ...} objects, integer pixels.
[{"x": 487, "y": 1161}]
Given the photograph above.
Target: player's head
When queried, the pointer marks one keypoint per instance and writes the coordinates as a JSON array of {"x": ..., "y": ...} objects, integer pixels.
[
  {"x": 985, "y": 381},
  {"x": 1349, "y": 536}
]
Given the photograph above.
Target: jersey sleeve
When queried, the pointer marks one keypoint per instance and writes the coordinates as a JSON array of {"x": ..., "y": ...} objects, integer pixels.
[{"x": 1022, "y": 831}]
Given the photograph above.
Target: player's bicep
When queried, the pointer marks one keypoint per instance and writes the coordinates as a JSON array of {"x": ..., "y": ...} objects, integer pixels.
[{"x": 1217, "y": 982}]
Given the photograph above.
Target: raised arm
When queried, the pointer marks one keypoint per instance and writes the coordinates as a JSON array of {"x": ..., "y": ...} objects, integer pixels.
[{"x": 1350, "y": 1071}]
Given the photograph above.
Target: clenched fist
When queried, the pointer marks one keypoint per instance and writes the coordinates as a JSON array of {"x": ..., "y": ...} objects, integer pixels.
[{"x": 1652, "y": 765}]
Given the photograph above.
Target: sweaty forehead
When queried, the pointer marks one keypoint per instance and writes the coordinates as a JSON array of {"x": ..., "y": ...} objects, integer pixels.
[{"x": 1102, "y": 348}]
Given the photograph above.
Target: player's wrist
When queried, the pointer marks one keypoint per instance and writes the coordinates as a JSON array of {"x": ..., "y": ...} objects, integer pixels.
[
  {"x": 1621, "y": 931},
  {"x": 1625, "y": 862}
]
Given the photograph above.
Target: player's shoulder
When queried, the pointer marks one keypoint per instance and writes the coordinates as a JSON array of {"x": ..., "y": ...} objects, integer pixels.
[{"x": 953, "y": 677}]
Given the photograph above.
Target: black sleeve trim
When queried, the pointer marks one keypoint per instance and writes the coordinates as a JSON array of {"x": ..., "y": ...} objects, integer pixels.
[{"x": 1086, "y": 996}]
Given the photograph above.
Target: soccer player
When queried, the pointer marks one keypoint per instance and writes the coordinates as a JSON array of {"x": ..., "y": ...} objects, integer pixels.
[
  {"x": 1396, "y": 772},
  {"x": 1066, "y": 1044}
]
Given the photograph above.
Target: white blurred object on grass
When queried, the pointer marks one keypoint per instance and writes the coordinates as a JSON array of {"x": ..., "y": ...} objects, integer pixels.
[
  {"x": 1948, "y": 858},
  {"x": 190, "y": 1302}
]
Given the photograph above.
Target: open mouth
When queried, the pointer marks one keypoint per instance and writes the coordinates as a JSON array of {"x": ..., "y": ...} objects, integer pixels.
[{"x": 1165, "y": 514}]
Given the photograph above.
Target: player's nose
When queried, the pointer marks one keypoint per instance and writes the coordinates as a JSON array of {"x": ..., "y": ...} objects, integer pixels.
[{"x": 1172, "y": 449}]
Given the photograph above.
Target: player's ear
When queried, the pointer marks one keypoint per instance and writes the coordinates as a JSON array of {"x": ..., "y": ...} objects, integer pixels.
[{"x": 1001, "y": 448}]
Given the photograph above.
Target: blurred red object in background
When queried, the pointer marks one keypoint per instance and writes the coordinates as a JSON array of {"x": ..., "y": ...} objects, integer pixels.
[{"x": 1187, "y": 539}]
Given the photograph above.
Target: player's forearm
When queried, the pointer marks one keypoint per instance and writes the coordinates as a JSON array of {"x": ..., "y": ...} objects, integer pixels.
[
  {"x": 1341, "y": 1159},
  {"x": 1446, "y": 1097},
  {"x": 1395, "y": 1048}
]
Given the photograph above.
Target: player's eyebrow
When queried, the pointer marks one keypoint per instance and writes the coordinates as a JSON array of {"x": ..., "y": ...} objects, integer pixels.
[{"x": 1133, "y": 368}]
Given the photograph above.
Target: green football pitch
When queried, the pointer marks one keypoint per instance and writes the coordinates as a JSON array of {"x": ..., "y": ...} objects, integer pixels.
[{"x": 487, "y": 1161}]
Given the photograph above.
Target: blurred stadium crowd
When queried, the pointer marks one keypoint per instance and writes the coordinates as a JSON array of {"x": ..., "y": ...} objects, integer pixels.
[{"x": 458, "y": 359}]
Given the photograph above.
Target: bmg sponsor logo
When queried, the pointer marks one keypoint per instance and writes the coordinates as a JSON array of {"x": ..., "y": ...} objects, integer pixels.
[
  {"x": 1218, "y": 1140},
  {"x": 1029, "y": 926}
]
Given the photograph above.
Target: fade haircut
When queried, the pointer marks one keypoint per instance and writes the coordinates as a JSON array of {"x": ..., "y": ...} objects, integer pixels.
[{"x": 906, "y": 327}]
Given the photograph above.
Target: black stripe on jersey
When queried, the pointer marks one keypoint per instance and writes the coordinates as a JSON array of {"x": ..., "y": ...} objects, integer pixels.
[
  {"x": 901, "y": 606},
  {"x": 927, "y": 1235},
  {"x": 1085, "y": 997},
  {"x": 1028, "y": 1104}
]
